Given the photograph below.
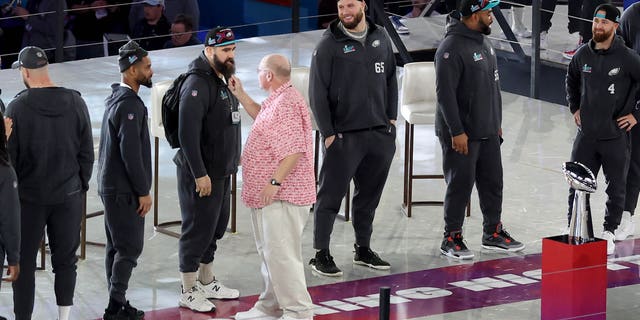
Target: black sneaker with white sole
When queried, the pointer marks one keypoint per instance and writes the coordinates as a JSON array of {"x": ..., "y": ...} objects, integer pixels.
[
  {"x": 324, "y": 265},
  {"x": 500, "y": 240},
  {"x": 364, "y": 256},
  {"x": 453, "y": 246}
]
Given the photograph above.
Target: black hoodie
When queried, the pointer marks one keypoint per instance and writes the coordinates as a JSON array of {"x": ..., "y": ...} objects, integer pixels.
[
  {"x": 124, "y": 159},
  {"x": 467, "y": 83},
  {"x": 602, "y": 84},
  {"x": 209, "y": 142},
  {"x": 9, "y": 216},
  {"x": 51, "y": 146},
  {"x": 352, "y": 86},
  {"x": 630, "y": 26}
]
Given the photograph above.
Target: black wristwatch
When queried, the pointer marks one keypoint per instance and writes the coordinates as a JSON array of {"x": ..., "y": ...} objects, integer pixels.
[{"x": 275, "y": 182}]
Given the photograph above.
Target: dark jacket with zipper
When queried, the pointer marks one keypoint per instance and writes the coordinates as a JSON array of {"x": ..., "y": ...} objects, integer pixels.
[
  {"x": 630, "y": 27},
  {"x": 124, "y": 159},
  {"x": 9, "y": 216},
  {"x": 467, "y": 84},
  {"x": 209, "y": 141},
  {"x": 602, "y": 84},
  {"x": 351, "y": 86},
  {"x": 51, "y": 146}
]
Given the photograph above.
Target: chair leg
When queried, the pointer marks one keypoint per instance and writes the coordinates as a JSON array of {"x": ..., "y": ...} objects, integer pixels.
[
  {"x": 410, "y": 182},
  {"x": 347, "y": 203},
  {"x": 405, "y": 175},
  {"x": 469, "y": 208},
  {"x": 234, "y": 196}
]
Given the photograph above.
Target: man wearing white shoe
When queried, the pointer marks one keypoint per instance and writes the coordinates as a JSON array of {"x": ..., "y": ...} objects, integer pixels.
[
  {"x": 630, "y": 32},
  {"x": 209, "y": 135},
  {"x": 279, "y": 187},
  {"x": 602, "y": 81}
]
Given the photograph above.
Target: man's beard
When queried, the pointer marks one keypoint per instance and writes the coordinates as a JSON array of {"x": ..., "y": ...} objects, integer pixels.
[
  {"x": 227, "y": 68},
  {"x": 485, "y": 28},
  {"x": 601, "y": 37},
  {"x": 146, "y": 82},
  {"x": 356, "y": 20}
]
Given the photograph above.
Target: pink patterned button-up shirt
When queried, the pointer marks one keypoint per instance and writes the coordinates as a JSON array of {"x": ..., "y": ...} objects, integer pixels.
[{"x": 282, "y": 128}]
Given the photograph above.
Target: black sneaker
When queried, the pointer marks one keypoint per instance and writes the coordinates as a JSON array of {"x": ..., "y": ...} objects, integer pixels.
[
  {"x": 500, "y": 240},
  {"x": 324, "y": 265},
  {"x": 112, "y": 310},
  {"x": 366, "y": 257},
  {"x": 130, "y": 313},
  {"x": 454, "y": 246}
]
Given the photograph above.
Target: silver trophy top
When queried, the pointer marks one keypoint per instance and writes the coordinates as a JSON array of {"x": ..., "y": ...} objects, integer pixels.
[{"x": 579, "y": 176}]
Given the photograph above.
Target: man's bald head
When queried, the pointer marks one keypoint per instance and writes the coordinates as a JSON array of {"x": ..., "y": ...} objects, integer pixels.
[{"x": 278, "y": 64}]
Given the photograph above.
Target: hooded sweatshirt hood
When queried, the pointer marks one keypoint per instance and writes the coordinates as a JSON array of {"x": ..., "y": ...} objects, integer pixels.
[
  {"x": 455, "y": 26},
  {"x": 39, "y": 100}
]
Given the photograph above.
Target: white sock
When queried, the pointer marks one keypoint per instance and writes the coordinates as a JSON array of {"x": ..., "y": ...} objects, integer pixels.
[
  {"x": 188, "y": 280},
  {"x": 205, "y": 273},
  {"x": 63, "y": 312}
]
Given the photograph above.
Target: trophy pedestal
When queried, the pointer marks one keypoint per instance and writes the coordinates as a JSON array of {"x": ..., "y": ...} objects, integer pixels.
[{"x": 574, "y": 279}]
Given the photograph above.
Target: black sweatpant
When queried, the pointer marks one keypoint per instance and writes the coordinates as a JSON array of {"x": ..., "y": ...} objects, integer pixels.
[
  {"x": 204, "y": 219},
  {"x": 482, "y": 165},
  {"x": 613, "y": 156},
  {"x": 63, "y": 228},
  {"x": 364, "y": 156},
  {"x": 125, "y": 237},
  {"x": 633, "y": 177},
  {"x": 574, "y": 10}
]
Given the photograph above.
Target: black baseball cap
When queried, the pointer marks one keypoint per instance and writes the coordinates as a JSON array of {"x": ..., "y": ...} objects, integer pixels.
[
  {"x": 219, "y": 36},
  {"x": 469, "y": 7},
  {"x": 611, "y": 12},
  {"x": 31, "y": 58}
]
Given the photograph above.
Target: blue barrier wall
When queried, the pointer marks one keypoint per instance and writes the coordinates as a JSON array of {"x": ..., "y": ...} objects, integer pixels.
[{"x": 255, "y": 13}]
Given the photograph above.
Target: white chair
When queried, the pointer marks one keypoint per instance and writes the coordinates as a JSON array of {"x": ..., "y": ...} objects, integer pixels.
[
  {"x": 300, "y": 81},
  {"x": 418, "y": 106},
  {"x": 157, "y": 131}
]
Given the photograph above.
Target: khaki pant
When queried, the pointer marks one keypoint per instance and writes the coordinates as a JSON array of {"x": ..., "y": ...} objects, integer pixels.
[{"x": 277, "y": 229}]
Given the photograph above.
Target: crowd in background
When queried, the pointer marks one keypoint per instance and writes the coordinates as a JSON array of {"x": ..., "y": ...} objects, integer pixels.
[{"x": 157, "y": 24}]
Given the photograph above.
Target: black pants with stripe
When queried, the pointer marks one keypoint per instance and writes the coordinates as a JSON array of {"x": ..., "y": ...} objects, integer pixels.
[
  {"x": 63, "y": 229},
  {"x": 125, "y": 238},
  {"x": 364, "y": 156},
  {"x": 633, "y": 178},
  {"x": 482, "y": 166},
  {"x": 204, "y": 219},
  {"x": 613, "y": 156}
]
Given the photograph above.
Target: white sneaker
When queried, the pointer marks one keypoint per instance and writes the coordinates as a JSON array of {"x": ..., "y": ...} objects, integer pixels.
[
  {"x": 254, "y": 314},
  {"x": 286, "y": 317},
  {"x": 217, "y": 290},
  {"x": 196, "y": 301},
  {"x": 611, "y": 246},
  {"x": 626, "y": 228}
]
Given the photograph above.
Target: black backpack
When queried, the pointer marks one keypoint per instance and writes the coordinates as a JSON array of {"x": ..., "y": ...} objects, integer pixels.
[{"x": 171, "y": 108}]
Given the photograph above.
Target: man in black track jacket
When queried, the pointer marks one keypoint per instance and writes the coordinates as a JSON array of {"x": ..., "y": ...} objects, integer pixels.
[
  {"x": 602, "y": 81},
  {"x": 630, "y": 32},
  {"x": 353, "y": 93},
  {"x": 51, "y": 149},
  {"x": 209, "y": 134},
  {"x": 468, "y": 124},
  {"x": 124, "y": 176}
]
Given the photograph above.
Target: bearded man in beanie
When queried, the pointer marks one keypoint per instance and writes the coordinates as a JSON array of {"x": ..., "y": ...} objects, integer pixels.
[
  {"x": 124, "y": 176},
  {"x": 209, "y": 135},
  {"x": 51, "y": 148},
  {"x": 602, "y": 80}
]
